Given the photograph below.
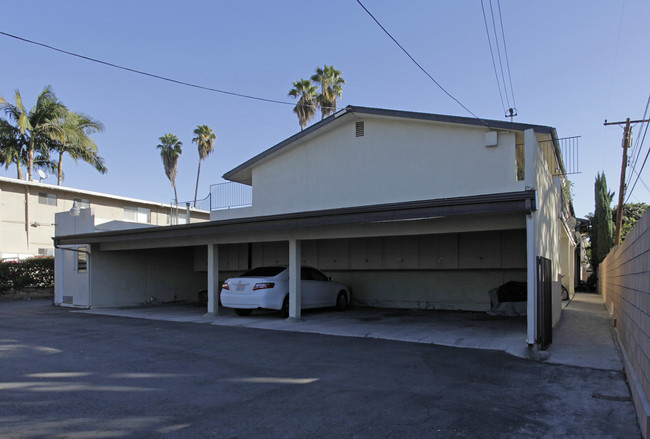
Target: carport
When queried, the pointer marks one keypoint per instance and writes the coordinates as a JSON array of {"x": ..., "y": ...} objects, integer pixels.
[{"x": 414, "y": 238}]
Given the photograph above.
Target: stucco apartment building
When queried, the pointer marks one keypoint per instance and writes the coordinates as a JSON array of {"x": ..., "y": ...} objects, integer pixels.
[
  {"x": 411, "y": 210},
  {"x": 27, "y": 210}
]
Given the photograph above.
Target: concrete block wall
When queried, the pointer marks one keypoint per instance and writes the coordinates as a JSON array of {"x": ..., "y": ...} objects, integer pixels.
[{"x": 624, "y": 282}]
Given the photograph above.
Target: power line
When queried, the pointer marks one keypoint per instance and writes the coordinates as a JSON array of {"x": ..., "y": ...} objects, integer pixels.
[
  {"x": 417, "y": 64},
  {"x": 636, "y": 150},
  {"x": 638, "y": 174},
  {"x": 501, "y": 79},
  {"x": 505, "y": 51},
  {"x": 496, "y": 41},
  {"x": 621, "y": 192},
  {"x": 642, "y": 182},
  {"x": 494, "y": 64},
  {"x": 151, "y": 75}
]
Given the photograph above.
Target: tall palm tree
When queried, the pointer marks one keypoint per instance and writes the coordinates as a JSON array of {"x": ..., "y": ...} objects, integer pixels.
[
  {"x": 170, "y": 150},
  {"x": 37, "y": 126},
  {"x": 204, "y": 140},
  {"x": 305, "y": 108},
  {"x": 76, "y": 129},
  {"x": 331, "y": 87}
]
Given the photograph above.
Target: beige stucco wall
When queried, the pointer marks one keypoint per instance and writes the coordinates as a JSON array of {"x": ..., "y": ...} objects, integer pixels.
[
  {"x": 27, "y": 225},
  {"x": 135, "y": 277},
  {"x": 546, "y": 223},
  {"x": 624, "y": 282},
  {"x": 395, "y": 160}
]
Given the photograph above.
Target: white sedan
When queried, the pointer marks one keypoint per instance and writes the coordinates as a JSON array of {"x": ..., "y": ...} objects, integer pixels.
[{"x": 268, "y": 288}]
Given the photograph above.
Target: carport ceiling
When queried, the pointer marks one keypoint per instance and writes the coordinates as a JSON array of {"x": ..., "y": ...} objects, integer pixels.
[{"x": 292, "y": 224}]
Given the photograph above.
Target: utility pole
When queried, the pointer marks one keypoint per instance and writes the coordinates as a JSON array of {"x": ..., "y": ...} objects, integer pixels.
[{"x": 621, "y": 191}]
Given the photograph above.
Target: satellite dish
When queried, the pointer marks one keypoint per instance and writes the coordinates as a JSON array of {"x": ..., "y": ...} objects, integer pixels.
[{"x": 42, "y": 175}]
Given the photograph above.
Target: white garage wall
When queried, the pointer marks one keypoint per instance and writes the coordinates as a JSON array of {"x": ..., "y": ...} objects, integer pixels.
[
  {"x": 465, "y": 290},
  {"x": 133, "y": 277},
  {"x": 444, "y": 271}
]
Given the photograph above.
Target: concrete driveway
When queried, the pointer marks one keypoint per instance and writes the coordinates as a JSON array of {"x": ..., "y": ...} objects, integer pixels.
[
  {"x": 69, "y": 374},
  {"x": 583, "y": 337}
]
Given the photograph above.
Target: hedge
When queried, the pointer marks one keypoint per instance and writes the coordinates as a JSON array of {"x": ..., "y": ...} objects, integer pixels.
[{"x": 31, "y": 272}]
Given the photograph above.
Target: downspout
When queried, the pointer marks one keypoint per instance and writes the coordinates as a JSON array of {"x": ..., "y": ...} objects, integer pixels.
[{"x": 27, "y": 215}]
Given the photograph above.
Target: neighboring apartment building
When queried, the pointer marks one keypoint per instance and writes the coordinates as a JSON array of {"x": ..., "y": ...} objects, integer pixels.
[
  {"x": 27, "y": 210},
  {"x": 410, "y": 210}
]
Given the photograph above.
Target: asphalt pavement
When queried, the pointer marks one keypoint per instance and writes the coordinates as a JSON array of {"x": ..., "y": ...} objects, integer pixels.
[{"x": 66, "y": 374}]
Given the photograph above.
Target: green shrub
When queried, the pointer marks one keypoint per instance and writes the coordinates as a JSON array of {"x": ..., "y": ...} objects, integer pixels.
[{"x": 31, "y": 272}]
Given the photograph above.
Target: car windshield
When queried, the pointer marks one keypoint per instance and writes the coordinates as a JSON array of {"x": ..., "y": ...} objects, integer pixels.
[{"x": 263, "y": 272}]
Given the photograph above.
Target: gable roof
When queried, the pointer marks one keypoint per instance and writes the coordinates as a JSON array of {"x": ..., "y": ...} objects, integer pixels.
[{"x": 242, "y": 173}]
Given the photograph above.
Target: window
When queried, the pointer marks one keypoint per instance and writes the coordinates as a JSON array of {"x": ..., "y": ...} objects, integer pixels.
[
  {"x": 46, "y": 252},
  {"x": 137, "y": 214},
  {"x": 49, "y": 199},
  {"x": 82, "y": 260},
  {"x": 82, "y": 203},
  {"x": 308, "y": 273}
]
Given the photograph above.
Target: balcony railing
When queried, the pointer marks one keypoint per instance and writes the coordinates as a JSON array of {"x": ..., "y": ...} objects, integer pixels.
[
  {"x": 230, "y": 195},
  {"x": 568, "y": 147},
  {"x": 568, "y": 154}
]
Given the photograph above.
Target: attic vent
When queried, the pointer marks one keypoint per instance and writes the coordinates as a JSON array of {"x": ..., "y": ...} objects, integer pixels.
[{"x": 359, "y": 129}]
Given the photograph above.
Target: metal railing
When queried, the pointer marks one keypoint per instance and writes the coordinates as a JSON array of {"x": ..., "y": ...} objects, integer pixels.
[
  {"x": 230, "y": 195},
  {"x": 568, "y": 160},
  {"x": 202, "y": 204},
  {"x": 568, "y": 154}
]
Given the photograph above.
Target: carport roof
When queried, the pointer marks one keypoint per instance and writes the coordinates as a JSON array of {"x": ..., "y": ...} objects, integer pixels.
[
  {"x": 242, "y": 173},
  {"x": 509, "y": 202}
]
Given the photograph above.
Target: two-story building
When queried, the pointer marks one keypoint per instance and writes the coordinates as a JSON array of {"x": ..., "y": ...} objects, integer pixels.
[
  {"x": 409, "y": 209},
  {"x": 27, "y": 210}
]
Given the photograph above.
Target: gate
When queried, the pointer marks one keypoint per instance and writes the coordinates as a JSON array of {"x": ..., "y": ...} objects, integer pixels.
[{"x": 544, "y": 336}]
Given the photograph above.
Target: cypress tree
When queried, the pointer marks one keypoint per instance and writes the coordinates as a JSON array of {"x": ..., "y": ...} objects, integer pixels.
[{"x": 602, "y": 226}]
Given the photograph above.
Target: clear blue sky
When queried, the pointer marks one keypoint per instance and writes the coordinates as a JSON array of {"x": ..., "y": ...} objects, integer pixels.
[{"x": 572, "y": 64}]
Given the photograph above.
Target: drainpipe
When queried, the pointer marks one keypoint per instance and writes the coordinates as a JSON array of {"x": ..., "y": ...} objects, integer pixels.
[{"x": 27, "y": 215}]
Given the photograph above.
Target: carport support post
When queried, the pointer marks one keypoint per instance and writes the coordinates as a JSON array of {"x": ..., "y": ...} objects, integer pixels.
[
  {"x": 213, "y": 279},
  {"x": 531, "y": 278},
  {"x": 294, "y": 280}
]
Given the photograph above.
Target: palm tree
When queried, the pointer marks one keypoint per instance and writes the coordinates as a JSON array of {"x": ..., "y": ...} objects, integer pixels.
[
  {"x": 331, "y": 87},
  {"x": 204, "y": 140},
  {"x": 170, "y": 150},
  {"x": 11, "y": 147},
  {"x": 305, "y": 108},
  {"x": 39, "y": 126},
  {"x": 76, "y": 129}
]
